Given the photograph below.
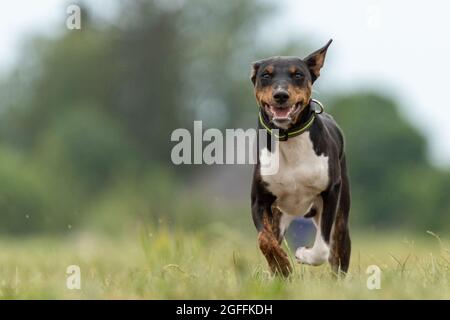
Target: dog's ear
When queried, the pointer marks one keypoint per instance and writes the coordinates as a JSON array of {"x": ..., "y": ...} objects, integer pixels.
[
  {"x": 255, "y": 67},
  {"x": 316, "y": 60}
]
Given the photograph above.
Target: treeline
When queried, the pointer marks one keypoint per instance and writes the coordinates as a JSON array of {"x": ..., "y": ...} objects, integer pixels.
[{"x": 86, "y": 119}]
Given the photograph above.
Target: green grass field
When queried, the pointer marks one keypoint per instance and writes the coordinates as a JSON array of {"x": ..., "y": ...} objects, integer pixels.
[{"x": 223, "y": 264}]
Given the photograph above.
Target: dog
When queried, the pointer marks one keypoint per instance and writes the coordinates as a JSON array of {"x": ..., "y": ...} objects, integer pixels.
[{"x": 312, "y": 179}]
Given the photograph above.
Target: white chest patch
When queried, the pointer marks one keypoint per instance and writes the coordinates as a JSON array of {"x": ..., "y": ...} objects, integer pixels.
[{"x": 301, "y": 176}]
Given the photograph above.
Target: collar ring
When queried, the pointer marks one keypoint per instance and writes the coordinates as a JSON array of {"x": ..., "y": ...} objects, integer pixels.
[{"x": 320, "y": 106}]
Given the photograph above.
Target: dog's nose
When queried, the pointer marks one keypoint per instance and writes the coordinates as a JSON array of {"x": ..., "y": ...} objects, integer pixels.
[{"x": 281, "y": 96}]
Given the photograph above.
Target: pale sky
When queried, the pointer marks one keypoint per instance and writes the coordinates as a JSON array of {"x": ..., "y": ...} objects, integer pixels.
[{"x": 400, "y": 47}]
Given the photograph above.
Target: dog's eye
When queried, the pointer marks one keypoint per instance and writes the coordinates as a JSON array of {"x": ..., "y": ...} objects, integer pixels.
[
  {"x": 266, "y": 76},
  {"x": 298, "y": 75}
]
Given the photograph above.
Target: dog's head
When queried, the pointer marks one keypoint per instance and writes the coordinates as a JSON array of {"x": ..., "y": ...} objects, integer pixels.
[{"x": 283, "y": 85}]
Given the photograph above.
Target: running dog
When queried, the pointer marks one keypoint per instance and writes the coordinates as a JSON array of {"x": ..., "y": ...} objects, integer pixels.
[{"x": 311, "y": 180}]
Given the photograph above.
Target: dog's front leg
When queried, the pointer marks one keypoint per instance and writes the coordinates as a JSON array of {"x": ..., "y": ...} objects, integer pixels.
[{"x": 269, "y": 241}]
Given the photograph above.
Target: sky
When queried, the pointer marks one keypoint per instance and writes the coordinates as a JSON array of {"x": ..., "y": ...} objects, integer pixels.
[{"x": 400, "y": 47}]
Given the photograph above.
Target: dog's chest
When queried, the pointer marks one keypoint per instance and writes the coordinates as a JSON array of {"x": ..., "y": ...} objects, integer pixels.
[{"x": 301, "y": 176}]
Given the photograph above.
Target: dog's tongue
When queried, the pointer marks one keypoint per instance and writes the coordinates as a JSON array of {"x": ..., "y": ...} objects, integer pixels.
[{"x": 280, "y": 112}]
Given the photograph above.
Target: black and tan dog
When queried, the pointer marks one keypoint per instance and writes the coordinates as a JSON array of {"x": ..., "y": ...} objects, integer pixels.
[{"x": 311, "y": 180}]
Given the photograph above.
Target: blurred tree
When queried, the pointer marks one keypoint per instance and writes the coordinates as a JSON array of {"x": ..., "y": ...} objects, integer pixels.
[
  {"x": 86, "y": 119},
  {"x": 392, "y": 182},
  {"x": 159, "y": 67},
  {"x": 100, "y": 103}
]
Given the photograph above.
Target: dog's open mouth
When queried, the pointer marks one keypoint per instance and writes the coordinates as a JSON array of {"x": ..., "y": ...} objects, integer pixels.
[{"x": 281, "y": 113}]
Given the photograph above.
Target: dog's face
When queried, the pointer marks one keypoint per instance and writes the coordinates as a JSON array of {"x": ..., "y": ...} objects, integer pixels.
[{"x": 283, "y": 85}]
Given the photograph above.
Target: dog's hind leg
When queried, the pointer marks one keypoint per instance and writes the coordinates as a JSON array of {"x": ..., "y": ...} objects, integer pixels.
[
  {"x": 320, "y": 251},
  {"x": 340, "y": 240}
]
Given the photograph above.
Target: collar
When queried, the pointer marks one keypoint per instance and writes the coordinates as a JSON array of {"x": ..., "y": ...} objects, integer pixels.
[{"x": 293, "y": 131}]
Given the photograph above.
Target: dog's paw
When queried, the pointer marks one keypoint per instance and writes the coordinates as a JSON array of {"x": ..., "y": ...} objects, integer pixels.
[{"x": 311, "y": 256}]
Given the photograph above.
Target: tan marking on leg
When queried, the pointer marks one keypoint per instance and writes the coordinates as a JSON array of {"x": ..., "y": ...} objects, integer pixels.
[
  {"x": 277, "y": 259},
  {"x": 340, "y": 245}
]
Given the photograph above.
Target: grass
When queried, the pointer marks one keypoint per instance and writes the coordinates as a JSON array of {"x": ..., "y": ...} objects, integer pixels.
[{"x": 218, "y": 264}]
